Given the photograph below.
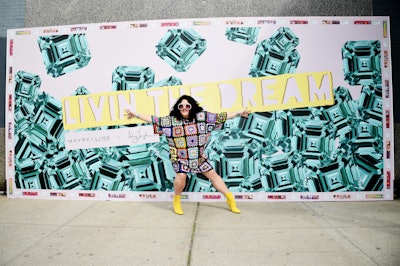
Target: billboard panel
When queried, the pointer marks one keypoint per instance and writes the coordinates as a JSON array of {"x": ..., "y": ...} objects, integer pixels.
[{"x": 320, "y": 91}]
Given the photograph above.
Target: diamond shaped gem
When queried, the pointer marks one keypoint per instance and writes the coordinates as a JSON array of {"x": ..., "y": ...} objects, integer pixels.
[
  {"x": 27, "y": 85},
  {"x": 361, "y": 62},
  {"x": 132, "y": 78},
  {"x": 283, "y": 40},
  {"x": 276, "y": 55},
  {"x": 181, "y": 48},
  {"x": 171, "y": 81},
  {"x": 245, "y": 35},
  {"x": 63, "y": 54}
]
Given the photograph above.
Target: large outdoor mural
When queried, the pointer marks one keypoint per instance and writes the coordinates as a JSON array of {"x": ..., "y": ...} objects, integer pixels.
[{"x": 319, "y": 89}]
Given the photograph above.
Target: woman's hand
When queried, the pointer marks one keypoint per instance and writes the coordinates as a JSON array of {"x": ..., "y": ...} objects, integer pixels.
[
  {"x": 245, "y": 113},
  {"x": 129, "y": 114}
]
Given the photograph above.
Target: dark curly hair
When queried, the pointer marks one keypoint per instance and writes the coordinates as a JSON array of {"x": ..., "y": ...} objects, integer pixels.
[{"x": 192, "y": 113}]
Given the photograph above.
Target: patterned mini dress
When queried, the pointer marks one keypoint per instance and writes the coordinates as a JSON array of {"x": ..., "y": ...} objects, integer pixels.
[{"x": 187, "y": 139}]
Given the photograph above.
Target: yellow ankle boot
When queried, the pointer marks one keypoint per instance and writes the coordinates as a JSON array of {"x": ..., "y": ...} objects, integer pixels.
[
  {"x": 177, "y": 204},
  {"x": 231, "y": 202}
]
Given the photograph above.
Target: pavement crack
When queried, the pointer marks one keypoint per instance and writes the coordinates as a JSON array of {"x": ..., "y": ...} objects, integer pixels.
[{"x": 192, "y": 236}]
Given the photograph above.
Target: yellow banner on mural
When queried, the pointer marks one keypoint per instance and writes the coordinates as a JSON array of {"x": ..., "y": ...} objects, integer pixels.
[{"x": 259, "y": 94}]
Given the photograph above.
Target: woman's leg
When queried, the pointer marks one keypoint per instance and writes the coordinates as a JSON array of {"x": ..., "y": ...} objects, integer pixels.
[
  {"x": 179, "y": 185},
  {"x": 216, "y": 181},
  {"x": 220, "y": 185}
]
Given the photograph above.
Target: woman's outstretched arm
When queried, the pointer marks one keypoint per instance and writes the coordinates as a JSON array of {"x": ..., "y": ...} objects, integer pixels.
[
  {"x": 244, "y": 113},
  {"x": 129, "y": 114}
]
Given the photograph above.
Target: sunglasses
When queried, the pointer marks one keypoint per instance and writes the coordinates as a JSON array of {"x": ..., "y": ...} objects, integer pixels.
[{"x": 187, "y": 106}]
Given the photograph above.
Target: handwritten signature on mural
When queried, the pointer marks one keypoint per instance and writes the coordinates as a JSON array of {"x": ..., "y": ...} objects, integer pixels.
[{"x": 139, "y": 136}]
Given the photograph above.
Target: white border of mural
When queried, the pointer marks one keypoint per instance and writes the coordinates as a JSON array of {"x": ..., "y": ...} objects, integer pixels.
[{"x": 132, "y": 43}]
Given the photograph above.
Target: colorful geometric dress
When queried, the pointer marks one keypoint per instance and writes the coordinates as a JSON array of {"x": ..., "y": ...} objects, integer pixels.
[{"x": 187, "y": 139}]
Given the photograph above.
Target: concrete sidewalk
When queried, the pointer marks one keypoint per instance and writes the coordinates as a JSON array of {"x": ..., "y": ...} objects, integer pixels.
[{"x": 66, "y": 232}]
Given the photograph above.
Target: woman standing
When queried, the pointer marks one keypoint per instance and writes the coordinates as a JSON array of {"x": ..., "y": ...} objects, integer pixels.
[{"x": 187, "y": 129}]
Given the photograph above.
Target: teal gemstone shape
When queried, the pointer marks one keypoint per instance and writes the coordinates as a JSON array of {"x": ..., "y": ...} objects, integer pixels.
[
  {"x": 370, "y": 105},
  {"x": 234, "y": 158},
  {"x": 276, "y": 55},
  {"x": 244, "y": 35},
  {"x": 361, "y": 62},
  {"x": 108, "y": 177},
  {"x": 81, "y": 91},
  {"x": 269, "y": 63},
  {"x": 180, "y": 48},
  {"x": 132, "y": 78},
  {"x": 171, "y": 81},
  {"x": 27, "y": 175},
  {"x": 283, "y": 40},
  {"x": 280, "y": 175},
  {"x": 27, "y": 86},
  {"x": 313, "y": 141},
  {"x": 48, "y": 118},
  {"x": 333, "y": 178},
  {"x": 63, "y": 54}
]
